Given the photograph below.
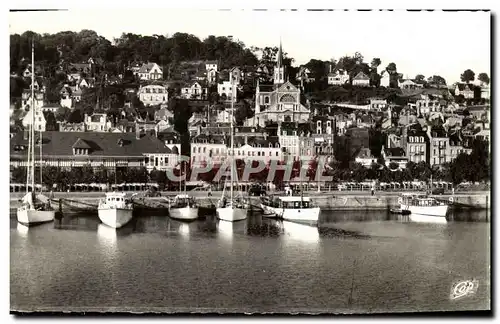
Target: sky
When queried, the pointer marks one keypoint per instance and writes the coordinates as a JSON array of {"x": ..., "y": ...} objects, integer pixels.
[{"x": 428, "y": 43}]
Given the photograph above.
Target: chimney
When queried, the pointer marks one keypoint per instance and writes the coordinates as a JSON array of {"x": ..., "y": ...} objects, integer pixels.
[{"x": 25, "y": 134}]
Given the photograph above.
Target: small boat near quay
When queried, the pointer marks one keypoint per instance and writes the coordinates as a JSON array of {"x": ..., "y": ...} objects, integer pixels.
[
  {"x": 115, "y": 210},
  {"x": 183, "y": 207},
  {"x": 422, "y": 204},
  {"x": 399, "y": 211},
  {"x": 236, "y": 208},
  {"x": 292, "y": 208}
]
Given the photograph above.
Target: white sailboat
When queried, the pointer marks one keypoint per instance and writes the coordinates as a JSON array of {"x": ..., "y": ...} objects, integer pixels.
[
  {"x": 183, "y": 207},
  {"x": 35, "y": 209},
  {"x": 232, "y": 210},
  {"x": 115, "y": 210}
]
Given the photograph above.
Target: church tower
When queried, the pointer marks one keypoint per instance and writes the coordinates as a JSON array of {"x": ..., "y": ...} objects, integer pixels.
[{"x": 279, "y": 69}]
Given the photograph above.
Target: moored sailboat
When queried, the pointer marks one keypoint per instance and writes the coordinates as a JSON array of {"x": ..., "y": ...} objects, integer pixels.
[
  {"x": 234, "y": 209},
  {"x": 183, "y": 207},
  {"x": 35, "y": 209}
]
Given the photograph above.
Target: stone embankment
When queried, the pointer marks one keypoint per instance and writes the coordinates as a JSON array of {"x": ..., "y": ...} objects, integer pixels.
[{"x": 326, "y": 200}]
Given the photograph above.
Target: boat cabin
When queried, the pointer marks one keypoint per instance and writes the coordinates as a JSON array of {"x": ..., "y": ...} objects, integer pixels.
[
  {"x": 293, "y": 202},
  {"x": 183, "y": 200},
  {"x": 116, "y": 198},
  {"x": 420, "y": 200}
]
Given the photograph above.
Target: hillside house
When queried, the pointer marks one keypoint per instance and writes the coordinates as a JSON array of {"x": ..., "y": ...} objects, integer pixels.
[{"x": 361, "y": 80}]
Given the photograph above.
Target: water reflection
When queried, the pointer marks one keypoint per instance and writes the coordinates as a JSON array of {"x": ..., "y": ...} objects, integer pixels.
[
  {"x": 261, "y": 226},
  {"x": 152, "y": 224},
  {"x": 182, "y": 228},
  {"x": 22, "y": 230},
  {"x": 416, "y": 218},
  {"x": 354, "y": 216},
  {"x": 227, "y": 230},
  {"x": 300, "y": 232},
  {"x": 25, "y": 231},
  {"x": 78, "y": 222},
  {"x": 107, "y": 237}
]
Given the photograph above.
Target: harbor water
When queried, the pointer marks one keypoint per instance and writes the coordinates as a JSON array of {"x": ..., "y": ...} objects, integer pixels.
[{"x": 352, "y": 262}]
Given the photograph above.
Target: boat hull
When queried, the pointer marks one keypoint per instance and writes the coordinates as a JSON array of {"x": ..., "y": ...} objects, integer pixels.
[
  {"x": 184, "y": 213},
  {"x": 31, "y": 217},
  {"x": 115, "y": 217},
  {"x": 439, "y": 211},
  {"x": 292, "y": 214},
  {"x": 231, "y": 214}
]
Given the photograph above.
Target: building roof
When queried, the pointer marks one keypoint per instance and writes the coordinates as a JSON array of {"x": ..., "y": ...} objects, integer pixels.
[
  {"x": 81, "y": 144},
  {"x": 99, "y": 144},
  {"x": 84, "y": 67},
  {"x": 146, "y": 67},
  {"x": 394, "y": 151},
  {"x": 361, "y": 76},
  {"x": 465, "y": 86}
]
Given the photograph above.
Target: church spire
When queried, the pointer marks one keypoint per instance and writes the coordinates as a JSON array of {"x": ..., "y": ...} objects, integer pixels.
[
  {"x": 279, "y": 57},
  {"x": 279, "y": 69}
]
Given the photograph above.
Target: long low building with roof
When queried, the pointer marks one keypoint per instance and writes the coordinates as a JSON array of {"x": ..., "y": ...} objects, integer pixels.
[{"x": 109, "y": 150}]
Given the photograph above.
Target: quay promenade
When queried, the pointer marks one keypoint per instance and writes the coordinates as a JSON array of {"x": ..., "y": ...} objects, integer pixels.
[{"x": 330, "y": 200}]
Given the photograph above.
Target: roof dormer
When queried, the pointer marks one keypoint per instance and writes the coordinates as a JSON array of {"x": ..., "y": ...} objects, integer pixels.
[{"x": 81, "y": 147}]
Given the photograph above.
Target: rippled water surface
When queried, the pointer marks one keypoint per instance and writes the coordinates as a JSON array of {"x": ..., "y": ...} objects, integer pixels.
[{"x": 351, "y": 262}]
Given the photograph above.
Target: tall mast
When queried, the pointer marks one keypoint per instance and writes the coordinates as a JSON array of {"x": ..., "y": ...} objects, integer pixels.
[
  {"x": 32, "y": 130},
  {"x": 232, "y": 140},
  {"x": 185, "y": 177}
]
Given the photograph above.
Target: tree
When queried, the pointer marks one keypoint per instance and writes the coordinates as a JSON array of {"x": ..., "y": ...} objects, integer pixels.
[
  {"x": 18, "y": 175},
  {"x": 375, "y": 63},
  {"x": 182, "y": 113},
  {"x": 75, "y": 116},
  {"x": 62, "y": 113},
  {"x": 437, "y": 80},
  {"x": 243, "y": 112},
  {"x": 87, "y": 174},
  {"x": 391, "y": 68},
  {"x": 160, "y": 177},
  {"x": 376, "y": 141},
  {"x": 483, "y": 77},
  {"x": 467, "y": 76},
  {"x": 419, "y": 77},
  {"x": 51, "y": 122},
  {"x": 393, "y": 166}
]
